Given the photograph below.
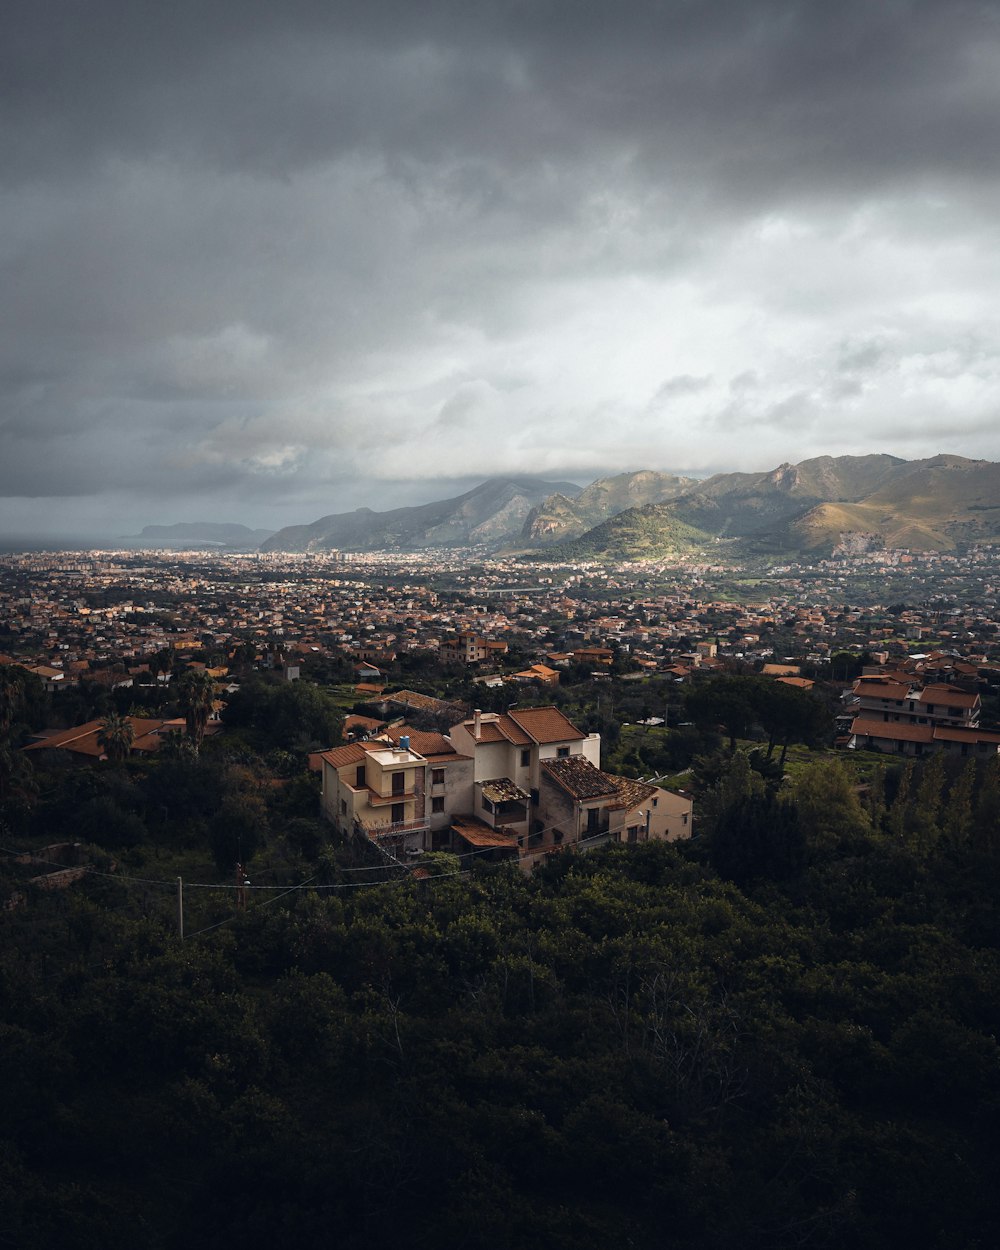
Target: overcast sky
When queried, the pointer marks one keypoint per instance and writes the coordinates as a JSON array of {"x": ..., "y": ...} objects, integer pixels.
[{"x": 264, "y": 261}]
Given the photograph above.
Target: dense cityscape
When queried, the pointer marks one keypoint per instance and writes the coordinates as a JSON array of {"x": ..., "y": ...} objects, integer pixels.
[{"x": 101, "y": 615}]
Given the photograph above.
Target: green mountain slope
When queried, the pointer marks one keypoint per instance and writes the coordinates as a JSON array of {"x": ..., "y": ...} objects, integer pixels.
[
  {"x": 654, "y": 532},
  {"x": 559, "y": 517}
]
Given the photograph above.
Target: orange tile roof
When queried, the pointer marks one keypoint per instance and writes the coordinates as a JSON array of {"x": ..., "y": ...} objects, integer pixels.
[
  {"x": 82, "y": 739},
  {"x": 498, "y": 729},
  {"x": 950, "y": 695},
  {"x": 880, "y": 690},
  {"x": 353, "y": 753},
  {"x": 545, "y": 725},
  {"x": 959, "y": 733},
  {"x": 422, "y": 742},
  {"x": 899, "y": 731}
]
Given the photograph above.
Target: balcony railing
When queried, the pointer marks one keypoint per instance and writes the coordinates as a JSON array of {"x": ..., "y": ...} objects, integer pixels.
[{"x": 397, "y": 829}]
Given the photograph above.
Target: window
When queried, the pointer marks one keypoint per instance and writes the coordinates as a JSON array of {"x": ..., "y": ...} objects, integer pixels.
[
  {"x": 359, "y": 779},
  {"x": 655, "y": 801},
  {"x": 398, "y": 813},
  {"x": 437, "y": 776},
  {"x": 399, "y": 783},
  {"x": 562, "y": 752},
  {"x": 593, "y": 819},
  {"x": 534, "y": 798},
  {"x": 343, "y": 807},
  {"x": 437, "y": 805},
  {"x": 525, "y": 758}
]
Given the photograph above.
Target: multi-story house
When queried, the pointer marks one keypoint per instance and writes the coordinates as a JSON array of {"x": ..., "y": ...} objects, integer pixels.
[
  {"x": 518, "y": 784},
  {"x": 398, "y": 789},
  {"x": 463, "y": 648}
]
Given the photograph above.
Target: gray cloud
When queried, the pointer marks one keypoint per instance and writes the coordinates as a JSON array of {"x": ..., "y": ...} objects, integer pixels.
[{"x": 256, "y": 256}]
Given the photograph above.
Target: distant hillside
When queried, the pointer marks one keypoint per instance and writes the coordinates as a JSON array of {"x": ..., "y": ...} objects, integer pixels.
[
  {"x": 754, "y": 504},
  {"x": 923, "y": 505},
  {"x": 654, "y": 532},
  {"x": 558, "y": 517},
  {"x": 199, "y": 534},
  {"x": 491, "y": 514},
  {"x": 944, "y": 502}
]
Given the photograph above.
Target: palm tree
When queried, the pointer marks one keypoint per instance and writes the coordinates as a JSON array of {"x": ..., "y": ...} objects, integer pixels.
[
  {"x": 161, "y": 662},
  {"x": 196, "y": 697},
  {"x": 115, "y": 737}
]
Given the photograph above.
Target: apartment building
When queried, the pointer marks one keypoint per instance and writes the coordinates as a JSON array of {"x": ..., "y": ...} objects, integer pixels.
[
  {"x": 902, "y": 718},
  {"x": 902, "y": 701}
]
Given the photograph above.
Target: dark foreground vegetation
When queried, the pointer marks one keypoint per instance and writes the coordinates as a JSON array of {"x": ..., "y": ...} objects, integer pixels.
[{"x": 628, "y": 1049}]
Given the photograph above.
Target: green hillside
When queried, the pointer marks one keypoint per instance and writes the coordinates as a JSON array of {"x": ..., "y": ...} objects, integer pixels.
[
  {"x": 654, "y": 532},
  {"x": 558, "y": 517}
]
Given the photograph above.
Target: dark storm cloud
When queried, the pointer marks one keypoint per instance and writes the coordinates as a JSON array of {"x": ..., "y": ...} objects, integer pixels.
[
  {"x": 742, "y": 92},
  {"x": 245, "y": 242}
]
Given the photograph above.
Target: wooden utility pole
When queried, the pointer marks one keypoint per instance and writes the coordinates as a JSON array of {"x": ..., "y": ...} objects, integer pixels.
[
  {"x": 242, "y": 881},
  {"x": 180, "y": 908}
]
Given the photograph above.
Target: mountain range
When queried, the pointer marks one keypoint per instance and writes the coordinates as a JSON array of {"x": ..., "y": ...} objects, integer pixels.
[
  {"x": 490, "y": 514},
  {"x": 812, "y": 508}
]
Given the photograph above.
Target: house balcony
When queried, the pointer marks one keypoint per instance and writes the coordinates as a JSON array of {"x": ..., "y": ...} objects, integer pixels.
[
  {"x": 386, "y": 800},
  {"x": 502, "y": 804},
  {"x": 397, "y": 829}
]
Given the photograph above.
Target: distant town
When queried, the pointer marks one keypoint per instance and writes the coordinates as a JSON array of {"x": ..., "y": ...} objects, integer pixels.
[{"x": 102, "y": 616}]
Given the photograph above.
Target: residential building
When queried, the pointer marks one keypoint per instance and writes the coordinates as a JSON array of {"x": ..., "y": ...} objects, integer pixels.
[
  {"x": 902, "y": 718},
  {"x": 518, "y": 785},
  {"x": 464, "y": 648},
  {"x": 80, "y": 744},
  {"x": 394, "y": 793}
]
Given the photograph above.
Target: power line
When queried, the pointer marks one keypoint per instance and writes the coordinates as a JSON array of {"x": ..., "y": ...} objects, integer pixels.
[{"x": 126, "y": 878}]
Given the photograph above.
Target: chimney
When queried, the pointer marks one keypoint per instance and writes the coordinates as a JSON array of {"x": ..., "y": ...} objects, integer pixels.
[{"x": 477, "y": 723}]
